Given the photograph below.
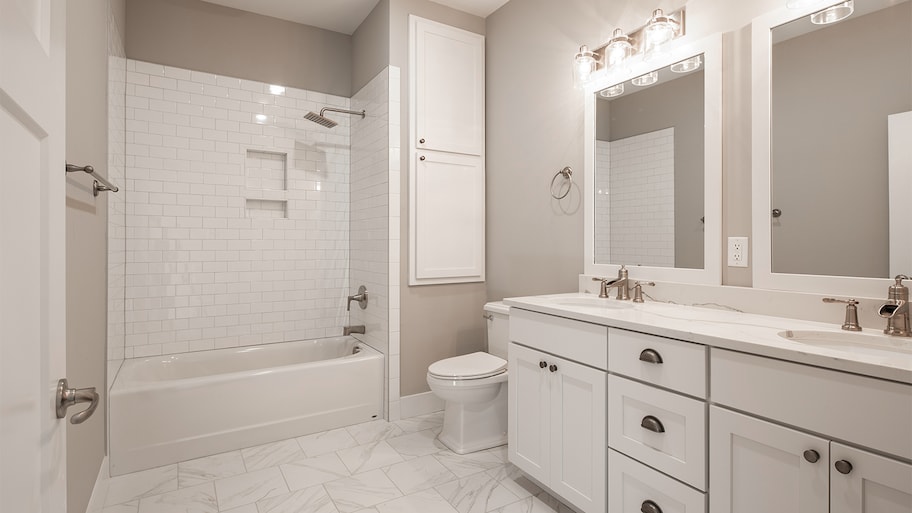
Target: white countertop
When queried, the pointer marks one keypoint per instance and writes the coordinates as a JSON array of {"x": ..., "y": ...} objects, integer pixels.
[{"x": 749, "y": 333}]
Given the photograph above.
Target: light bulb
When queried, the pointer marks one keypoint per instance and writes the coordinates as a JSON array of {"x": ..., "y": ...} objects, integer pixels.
[
  {"x": 618, "y": 49},
  {"x": 583, "y": 64}
]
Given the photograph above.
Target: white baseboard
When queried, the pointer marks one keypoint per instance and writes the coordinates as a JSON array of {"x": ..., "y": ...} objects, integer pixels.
[
  {"x": 419, "y": 404},
  {"x": 100, "y": 490}
]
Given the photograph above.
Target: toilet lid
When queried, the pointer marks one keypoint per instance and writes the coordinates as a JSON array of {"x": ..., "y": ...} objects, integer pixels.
[{"x": 469, "y": 366}]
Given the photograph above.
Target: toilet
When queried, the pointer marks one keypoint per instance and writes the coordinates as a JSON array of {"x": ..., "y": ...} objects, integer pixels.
[{"x": 474, "y": 387}]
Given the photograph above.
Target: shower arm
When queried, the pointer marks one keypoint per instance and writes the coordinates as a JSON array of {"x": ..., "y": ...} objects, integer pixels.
[{"x": 361, "y": 113}]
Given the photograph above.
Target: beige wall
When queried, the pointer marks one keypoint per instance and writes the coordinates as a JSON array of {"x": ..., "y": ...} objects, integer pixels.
[
  {"x": 197, "y": 35},
  {"x": 87, "y": 83},
  {"x": 370, "y": 46},
  {"x": 832, "y": 91}
]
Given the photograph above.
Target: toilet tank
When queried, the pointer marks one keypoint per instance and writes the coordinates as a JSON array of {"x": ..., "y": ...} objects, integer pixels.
[{"x": 498, "y": 315}]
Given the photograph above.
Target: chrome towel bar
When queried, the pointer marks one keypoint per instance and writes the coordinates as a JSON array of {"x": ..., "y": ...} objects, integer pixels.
[{"x": 100, "y": 184}]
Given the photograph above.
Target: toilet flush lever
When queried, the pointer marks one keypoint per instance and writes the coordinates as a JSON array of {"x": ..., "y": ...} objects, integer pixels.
[{"x": 360, "y": 297}]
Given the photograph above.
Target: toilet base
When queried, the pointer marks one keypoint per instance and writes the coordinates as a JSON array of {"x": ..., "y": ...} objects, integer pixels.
[{"x": 472, "y": 427}]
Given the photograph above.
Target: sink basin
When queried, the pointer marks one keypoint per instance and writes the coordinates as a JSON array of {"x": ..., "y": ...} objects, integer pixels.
[
  {"x": 857, "y": 343},
  {"x": 592, "y": 302}
]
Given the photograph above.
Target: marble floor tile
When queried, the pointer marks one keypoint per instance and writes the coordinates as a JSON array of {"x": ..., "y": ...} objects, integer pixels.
[
  {"x": 429, "y": 421},
  {"x": 362, "y": 491},
  {"x": 369, "y": 457},
  {"x": 326, "y": 442},
  {"x": 374, "y": 431},
  {"x": 129, "y": 487},
  {"x": 309, "y": 500},
  {"x": 420, "y": 443},
  {"x": 367, "y": 510},
  {"x": 195, "y": 499},
  {"x": 208, "y": 469},
  {"x": 249, "y": 508},
  {"x": 527, "y": 505},
  {"x": 514, "y": 480},
  {"x": 250, "y": 487},
  {"x": 270, "y": 455},
  {"x": 310, "y": 472},
  {"x": 419, "y": 474},
  {"x": 129, "y": 507},
  {"x": 427, "y": 501},
  {"x": 478, "y": 493},
  {"x": 467, "y": 464}
]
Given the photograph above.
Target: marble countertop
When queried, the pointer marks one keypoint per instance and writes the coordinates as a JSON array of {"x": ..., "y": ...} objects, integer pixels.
[{"x": 749, "y": 333}]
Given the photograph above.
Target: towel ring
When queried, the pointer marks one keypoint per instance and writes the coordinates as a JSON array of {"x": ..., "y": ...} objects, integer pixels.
[{"x": 567, "y": 173}]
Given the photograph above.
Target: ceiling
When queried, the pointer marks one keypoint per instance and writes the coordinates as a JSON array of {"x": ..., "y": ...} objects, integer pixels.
[{"x": 341, "y": 15}]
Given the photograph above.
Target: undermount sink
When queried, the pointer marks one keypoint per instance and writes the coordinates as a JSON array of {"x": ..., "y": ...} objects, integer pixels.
[
  {"x": 591, "y": 302},
  {"x": 857, "y": 343}
]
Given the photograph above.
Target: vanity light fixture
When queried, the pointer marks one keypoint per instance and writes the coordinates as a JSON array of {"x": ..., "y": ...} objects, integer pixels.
[
  {"x": 618, "y": 49},
  {"x": 687, "y": 65},
  {"x": 611, "y": 92},
  {"x": 645, "y": 80},
  {"x": 659, "y": 30},
  {"x": 584, "y": 63},
  {"x": 833, "y": 13}
]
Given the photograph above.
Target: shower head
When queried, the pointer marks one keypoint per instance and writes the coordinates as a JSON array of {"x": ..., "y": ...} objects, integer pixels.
[{"x": 328, "y": 123}]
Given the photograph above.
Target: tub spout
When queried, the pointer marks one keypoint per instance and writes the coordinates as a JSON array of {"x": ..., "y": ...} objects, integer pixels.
[{"x": 348, "y": 330}]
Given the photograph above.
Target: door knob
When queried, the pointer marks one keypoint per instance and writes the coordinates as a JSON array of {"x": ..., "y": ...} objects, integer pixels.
[
  {"x": 552, "y": 368},
  {"x": 542, "y": 364},
  {"x": 421, "y": 157},
  {"x": 421, "y": 141},
  {"x": 67, "y": 397},
  {"x": 843, "y": 466},
  {"x": 811, "y": 456}
]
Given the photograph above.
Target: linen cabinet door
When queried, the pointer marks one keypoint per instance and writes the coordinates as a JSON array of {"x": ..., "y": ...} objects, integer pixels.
[
  {"x": 579, "y": 440},
  {"x": 864, "y": 482},
  {"x": 759, "y": 467},
  {"x": 529, "y": 430}
]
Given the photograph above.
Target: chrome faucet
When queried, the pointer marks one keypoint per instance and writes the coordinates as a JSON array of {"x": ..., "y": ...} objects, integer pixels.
[
  {"x": 896, "y": 309},
  {"x": 360, "y": 298},
  {"x": 620, "y": 283},
  {"x": 851, "y": 313}
]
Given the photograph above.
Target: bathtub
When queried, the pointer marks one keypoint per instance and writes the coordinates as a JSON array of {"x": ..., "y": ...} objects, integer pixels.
[{"x": 174, "y": 408}]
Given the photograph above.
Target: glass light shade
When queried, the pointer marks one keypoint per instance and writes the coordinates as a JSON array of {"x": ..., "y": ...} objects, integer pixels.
[
  {"x": 645, "y": 80},
  {"x": 659, "y": 30},
  {"x": 687, "y": 65},
  {"x": 833, "y": 13},
  {"x": 611, "y": 92},
  {"x": 584, "y": 64},
  {"x": 618, "y": 49}
]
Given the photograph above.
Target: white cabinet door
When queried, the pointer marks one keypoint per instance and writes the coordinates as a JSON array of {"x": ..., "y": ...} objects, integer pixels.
[
  {"x": 529, "y": 397},
  {"x": 579, "y": 442},
  {"x": 448, "y": 85},
  {"x": 447, "y": 219},
  {"x": 873, "y": 484},
  {"x": 759, "y": 467}
]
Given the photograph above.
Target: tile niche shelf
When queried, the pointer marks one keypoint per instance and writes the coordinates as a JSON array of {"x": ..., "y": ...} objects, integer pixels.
[{"x": 266, "y": 181}]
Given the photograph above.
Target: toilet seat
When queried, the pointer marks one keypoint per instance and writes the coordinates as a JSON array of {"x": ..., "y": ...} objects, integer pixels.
[{"x": 477, "y": 365}]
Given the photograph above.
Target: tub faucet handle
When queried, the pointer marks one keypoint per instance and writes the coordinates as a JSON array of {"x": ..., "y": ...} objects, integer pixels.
[{"x": 360, "y": 297}]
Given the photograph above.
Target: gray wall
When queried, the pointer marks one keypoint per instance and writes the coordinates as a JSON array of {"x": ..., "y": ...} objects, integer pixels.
[
  {"x": 370, "y": 46},
  {"x": 86, "y": 228},
  {"x": 677, "y": 103},
  {"x": 832, "y": 92},
  {"x": 201, "y": 36},
  {"x": 436, "y": 321}
]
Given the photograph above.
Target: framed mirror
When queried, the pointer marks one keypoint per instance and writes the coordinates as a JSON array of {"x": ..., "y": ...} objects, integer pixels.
[
  {"x": 832, "y": 126},
  {"x": 653, "y": 157}
]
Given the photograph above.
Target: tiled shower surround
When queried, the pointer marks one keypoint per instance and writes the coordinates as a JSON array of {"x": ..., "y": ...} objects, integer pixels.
[{"x": 237, "y": 212}]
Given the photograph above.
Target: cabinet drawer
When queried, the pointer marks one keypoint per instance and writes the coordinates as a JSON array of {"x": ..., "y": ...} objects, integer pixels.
[
  {"x": 832, "y": 403},
  {"x": 679, "y": 450},
  {"x": 682, "y": 367},
  {"x": 631, "y": 484},
  {"x": 575, "y": 340}
]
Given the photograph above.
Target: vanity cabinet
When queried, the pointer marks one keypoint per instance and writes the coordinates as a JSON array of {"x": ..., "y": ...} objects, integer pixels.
[{"x": 557, "y": 407}]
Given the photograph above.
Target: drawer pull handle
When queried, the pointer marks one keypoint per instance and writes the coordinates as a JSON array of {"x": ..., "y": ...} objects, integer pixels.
[
  {"x": 542, "y": 364},
  {"x": 811, "y": 456},
  {"x": 843, "y": 466},
  {"x": 650, "y": 507},
  {"x": 552, "y": 368},
  {"x": 650, "y": 356},
  {"x": 652, "y": 424}
]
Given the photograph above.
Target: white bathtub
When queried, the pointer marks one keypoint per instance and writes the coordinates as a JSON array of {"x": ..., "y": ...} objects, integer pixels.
[{"x": 174, "y": 408}]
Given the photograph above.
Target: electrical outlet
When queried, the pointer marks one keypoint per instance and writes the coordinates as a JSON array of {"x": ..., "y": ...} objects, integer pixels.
[{"x": 737, "y": 251}]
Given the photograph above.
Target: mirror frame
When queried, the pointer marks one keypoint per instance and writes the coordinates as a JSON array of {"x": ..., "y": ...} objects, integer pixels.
[
  {"x": 761, "y": 176},
  {"x": 711, "y": 274}
]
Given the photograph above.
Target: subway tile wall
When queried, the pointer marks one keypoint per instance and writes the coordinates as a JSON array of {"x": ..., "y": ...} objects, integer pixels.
[
  {"x": 216, "y": 254},
  {"x": 117, "y": 229}
]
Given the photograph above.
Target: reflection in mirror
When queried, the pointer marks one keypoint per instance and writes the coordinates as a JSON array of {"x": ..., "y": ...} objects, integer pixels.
[
  {"x": 841, "y": 96},
  {"x": 649, "y": 162}
]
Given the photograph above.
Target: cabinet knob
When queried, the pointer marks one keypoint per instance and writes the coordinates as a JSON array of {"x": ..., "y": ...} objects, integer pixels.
[
  {"x": 421, "y": 157},
  {"x": 843, "y": 466},
  {"x": 552, "y": 368},
  {"x": 652, "y": 424},
  {"x": 811, "y": 456},
  {"x": 650, "y": 507},
  {"x": 650, "y": 356},
  {"x": 542, "y": 364},
  {"x": 421, "y": 141}
]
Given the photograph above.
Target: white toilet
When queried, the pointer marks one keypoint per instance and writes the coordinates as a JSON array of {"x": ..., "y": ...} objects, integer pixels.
[{"x": 474, "y": 387}]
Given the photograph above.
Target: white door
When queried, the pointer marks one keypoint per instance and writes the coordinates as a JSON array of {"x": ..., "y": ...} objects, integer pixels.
[
  {"x": 579, "y": 437},
  {"x": 759, "y": 467},
  {"x": 528, "y": 420},
  {"x": 861, "y": 482},
  {"x": 32, "y": 260}
]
